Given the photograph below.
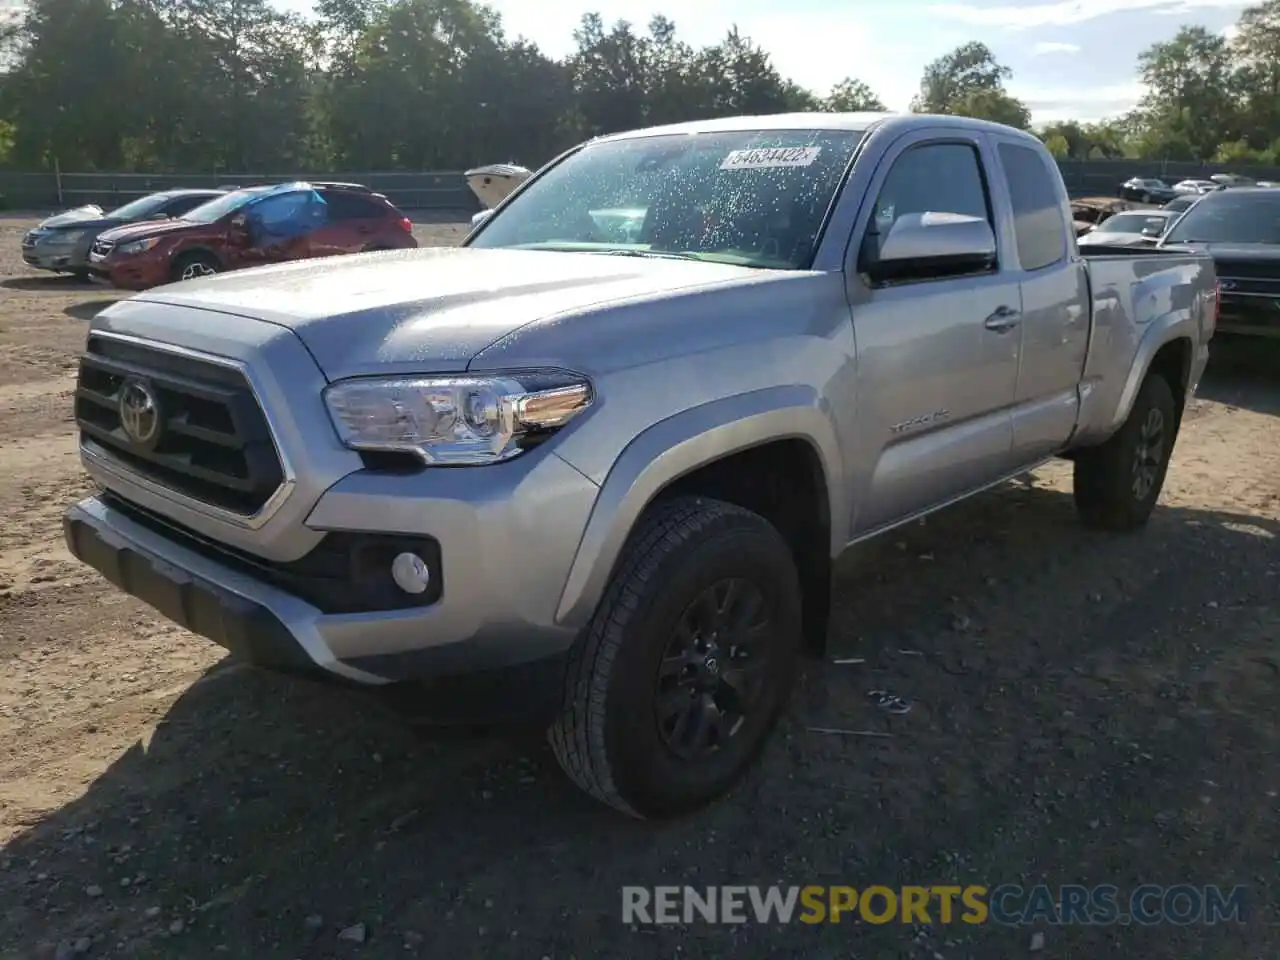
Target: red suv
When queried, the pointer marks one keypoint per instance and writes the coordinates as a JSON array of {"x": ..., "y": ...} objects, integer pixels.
[{"x": 250, "y": 227}]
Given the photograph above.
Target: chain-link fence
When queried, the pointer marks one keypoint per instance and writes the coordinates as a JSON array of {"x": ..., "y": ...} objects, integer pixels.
[{"x": 448, "y": 190}]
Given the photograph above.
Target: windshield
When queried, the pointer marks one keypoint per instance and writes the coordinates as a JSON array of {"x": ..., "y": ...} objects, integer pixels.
[
  {"x": 1133, "y": 223},
  {"x": 140, "y": 208},
  {"x": 753, "y": 198},
  {"x": 219, "y": 207},
  {"x": 1229, "y": 217}
]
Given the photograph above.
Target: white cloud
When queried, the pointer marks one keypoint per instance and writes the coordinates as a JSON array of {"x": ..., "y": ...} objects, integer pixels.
[
  {"x": 1068, "y": 12},
  {"x": 1054, "y": 46},
  {"x": 1075, "y": 103}
]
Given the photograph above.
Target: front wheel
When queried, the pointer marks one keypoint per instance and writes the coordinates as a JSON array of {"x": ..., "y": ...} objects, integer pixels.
[
  {"x": 681, "y": 674},
  {"x": 1117, "y": 484},
  {"x": 193, "y": 266}
]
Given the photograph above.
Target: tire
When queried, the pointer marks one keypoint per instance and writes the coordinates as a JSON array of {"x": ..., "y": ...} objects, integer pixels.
[
  {"x": 608, "y": 736},
  {"x": 1117, "y": 484},
  {"x": 195, "y": 264}
]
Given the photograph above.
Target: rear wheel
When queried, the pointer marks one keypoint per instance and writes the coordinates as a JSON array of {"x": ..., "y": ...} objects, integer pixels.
[
  {"x": 683, "y": 670},
  {"x": 1118, "y": 483},
  {"x": 194, "y": 265}
]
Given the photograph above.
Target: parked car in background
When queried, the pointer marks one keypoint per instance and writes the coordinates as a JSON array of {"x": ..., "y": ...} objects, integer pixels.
[
  {"x": 1240, "y": 229},
  {"x": 1181, "y": 204},
  {"x": 1196, "y": 187},
  {"x": 1146, "y": 190},
  {"x": 1135, "y": 228},
  {"x": 495, "y": 182},
  {"x": 253, "y": 226},
  {"x": 1232, "y": 180},
  {"x": 1088, "y": 212},
  {"x": 594, "y": 479},
  {"x": 61, "y": 243}
]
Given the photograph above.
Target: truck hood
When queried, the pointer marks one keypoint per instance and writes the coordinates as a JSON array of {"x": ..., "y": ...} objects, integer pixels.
[
  {"x": 432, "y": 309},
  {"x": 1235, "y": 252}
]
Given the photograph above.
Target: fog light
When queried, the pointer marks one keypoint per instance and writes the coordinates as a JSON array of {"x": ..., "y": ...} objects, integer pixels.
[{"x": 410, "y": 573}]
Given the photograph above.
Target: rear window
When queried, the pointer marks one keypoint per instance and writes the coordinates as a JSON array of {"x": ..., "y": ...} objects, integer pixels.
[{"x": 350, "y": 206}]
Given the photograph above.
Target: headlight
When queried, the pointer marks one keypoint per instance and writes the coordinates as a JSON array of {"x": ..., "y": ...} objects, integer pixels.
[
  {"x": 138, "y": 246},
  {"x": 461, "y": 420}
]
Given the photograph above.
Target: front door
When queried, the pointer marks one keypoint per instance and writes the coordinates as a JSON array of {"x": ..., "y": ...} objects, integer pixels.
[
  {"x": 937, "y": 356},
  {"x": 275, "y": 230},
  {"x": 1055, "y": 303}
]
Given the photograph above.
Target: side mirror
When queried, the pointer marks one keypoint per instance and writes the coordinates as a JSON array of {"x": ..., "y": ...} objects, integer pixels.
[
  {"x": 926, "y": 246},
  {"x": 480, "y": 218}
]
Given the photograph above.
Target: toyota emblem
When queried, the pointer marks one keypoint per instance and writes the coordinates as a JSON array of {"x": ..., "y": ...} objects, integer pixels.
[
  {"x": 139, "y": 413},
  {"x": 1227, "y": 284}
]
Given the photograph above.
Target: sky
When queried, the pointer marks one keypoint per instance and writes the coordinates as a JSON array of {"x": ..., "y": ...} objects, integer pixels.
[{"x": 1071, "y": 59}]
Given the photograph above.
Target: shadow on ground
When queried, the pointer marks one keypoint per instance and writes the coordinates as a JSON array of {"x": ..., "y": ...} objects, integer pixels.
[
  {"x": 1087, "y": 709},
  {"x": 88, "y": 309},
  {"x": 59, "y": 283},
  {"x": 1243, "y": 372}
]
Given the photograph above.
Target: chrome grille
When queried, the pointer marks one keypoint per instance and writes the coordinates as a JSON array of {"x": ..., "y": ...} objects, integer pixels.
[
  {"x": 213, "y": 442},
  {"x": 102, "y": 247}
]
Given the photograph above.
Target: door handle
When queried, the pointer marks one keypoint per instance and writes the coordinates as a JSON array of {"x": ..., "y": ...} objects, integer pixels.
[{"x": 1002, "y": 319}]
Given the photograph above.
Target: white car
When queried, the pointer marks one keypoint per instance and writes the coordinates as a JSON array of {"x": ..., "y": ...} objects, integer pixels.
[
  {"x": 1129, "y": 229},
  {"x": 1194, "y": 186}
]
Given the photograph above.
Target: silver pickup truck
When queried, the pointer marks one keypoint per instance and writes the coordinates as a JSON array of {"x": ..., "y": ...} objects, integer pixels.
[{"x": 592, "y": 473}]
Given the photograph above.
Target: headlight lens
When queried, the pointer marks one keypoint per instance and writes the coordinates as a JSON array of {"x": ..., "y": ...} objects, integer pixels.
[
  {"x": 459, "y": 420},
  {"x": 138, "y": 246}
]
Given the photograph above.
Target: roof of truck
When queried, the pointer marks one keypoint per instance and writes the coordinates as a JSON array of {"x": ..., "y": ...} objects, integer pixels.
[{"x": 815, "y": 120}]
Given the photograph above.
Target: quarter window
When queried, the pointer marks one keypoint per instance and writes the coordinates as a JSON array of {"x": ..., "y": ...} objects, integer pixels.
[{"x": 1038, "y": 222}]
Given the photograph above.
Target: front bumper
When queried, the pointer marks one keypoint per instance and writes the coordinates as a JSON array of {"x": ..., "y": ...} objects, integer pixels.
[
  {"x": 1257, "y": 316},
  {"x": 59, "y": 259},
  {"x": 480, "y": 680},
  {"x": 131, "y": 274}
]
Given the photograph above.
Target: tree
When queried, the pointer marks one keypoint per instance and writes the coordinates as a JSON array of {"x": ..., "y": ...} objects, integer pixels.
[
  {"x": 852, "y": 96},
  {"x": 994, "y": 105},
  {"x": 1256, "y": 51},
  {"x": 1189, "y": 101},
  {"x": 951, "y": 78},
  {"x": 1057, "y": 145}
]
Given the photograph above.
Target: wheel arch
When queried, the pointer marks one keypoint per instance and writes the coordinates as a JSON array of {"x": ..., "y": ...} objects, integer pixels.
[
  {"x": 201, "y": 250},
  {"x": 773, "y": 451}
]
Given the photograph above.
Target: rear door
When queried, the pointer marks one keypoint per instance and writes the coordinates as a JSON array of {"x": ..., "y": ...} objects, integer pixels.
[
  {"x": 1055, "y": 300},
  {"x": 353, "y": 224},
  {"x": 937, "y": 355}
]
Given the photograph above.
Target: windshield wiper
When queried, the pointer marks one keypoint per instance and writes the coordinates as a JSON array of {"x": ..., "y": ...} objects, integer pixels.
[{"x": 648, "y": 254}]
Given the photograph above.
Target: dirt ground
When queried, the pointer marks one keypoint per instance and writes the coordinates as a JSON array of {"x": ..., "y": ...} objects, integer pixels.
[{"x": 1086, "y": 709}]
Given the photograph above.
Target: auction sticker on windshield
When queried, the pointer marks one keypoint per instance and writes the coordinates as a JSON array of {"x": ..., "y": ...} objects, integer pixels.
[{"x": 764, "y": 158}]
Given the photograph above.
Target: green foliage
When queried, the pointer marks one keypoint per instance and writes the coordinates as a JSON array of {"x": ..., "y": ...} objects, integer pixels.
[
  {"x": 852, "y": 96},
  {"x": 1057, "y": 145},
  {"x": 241, "y": 86}
]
